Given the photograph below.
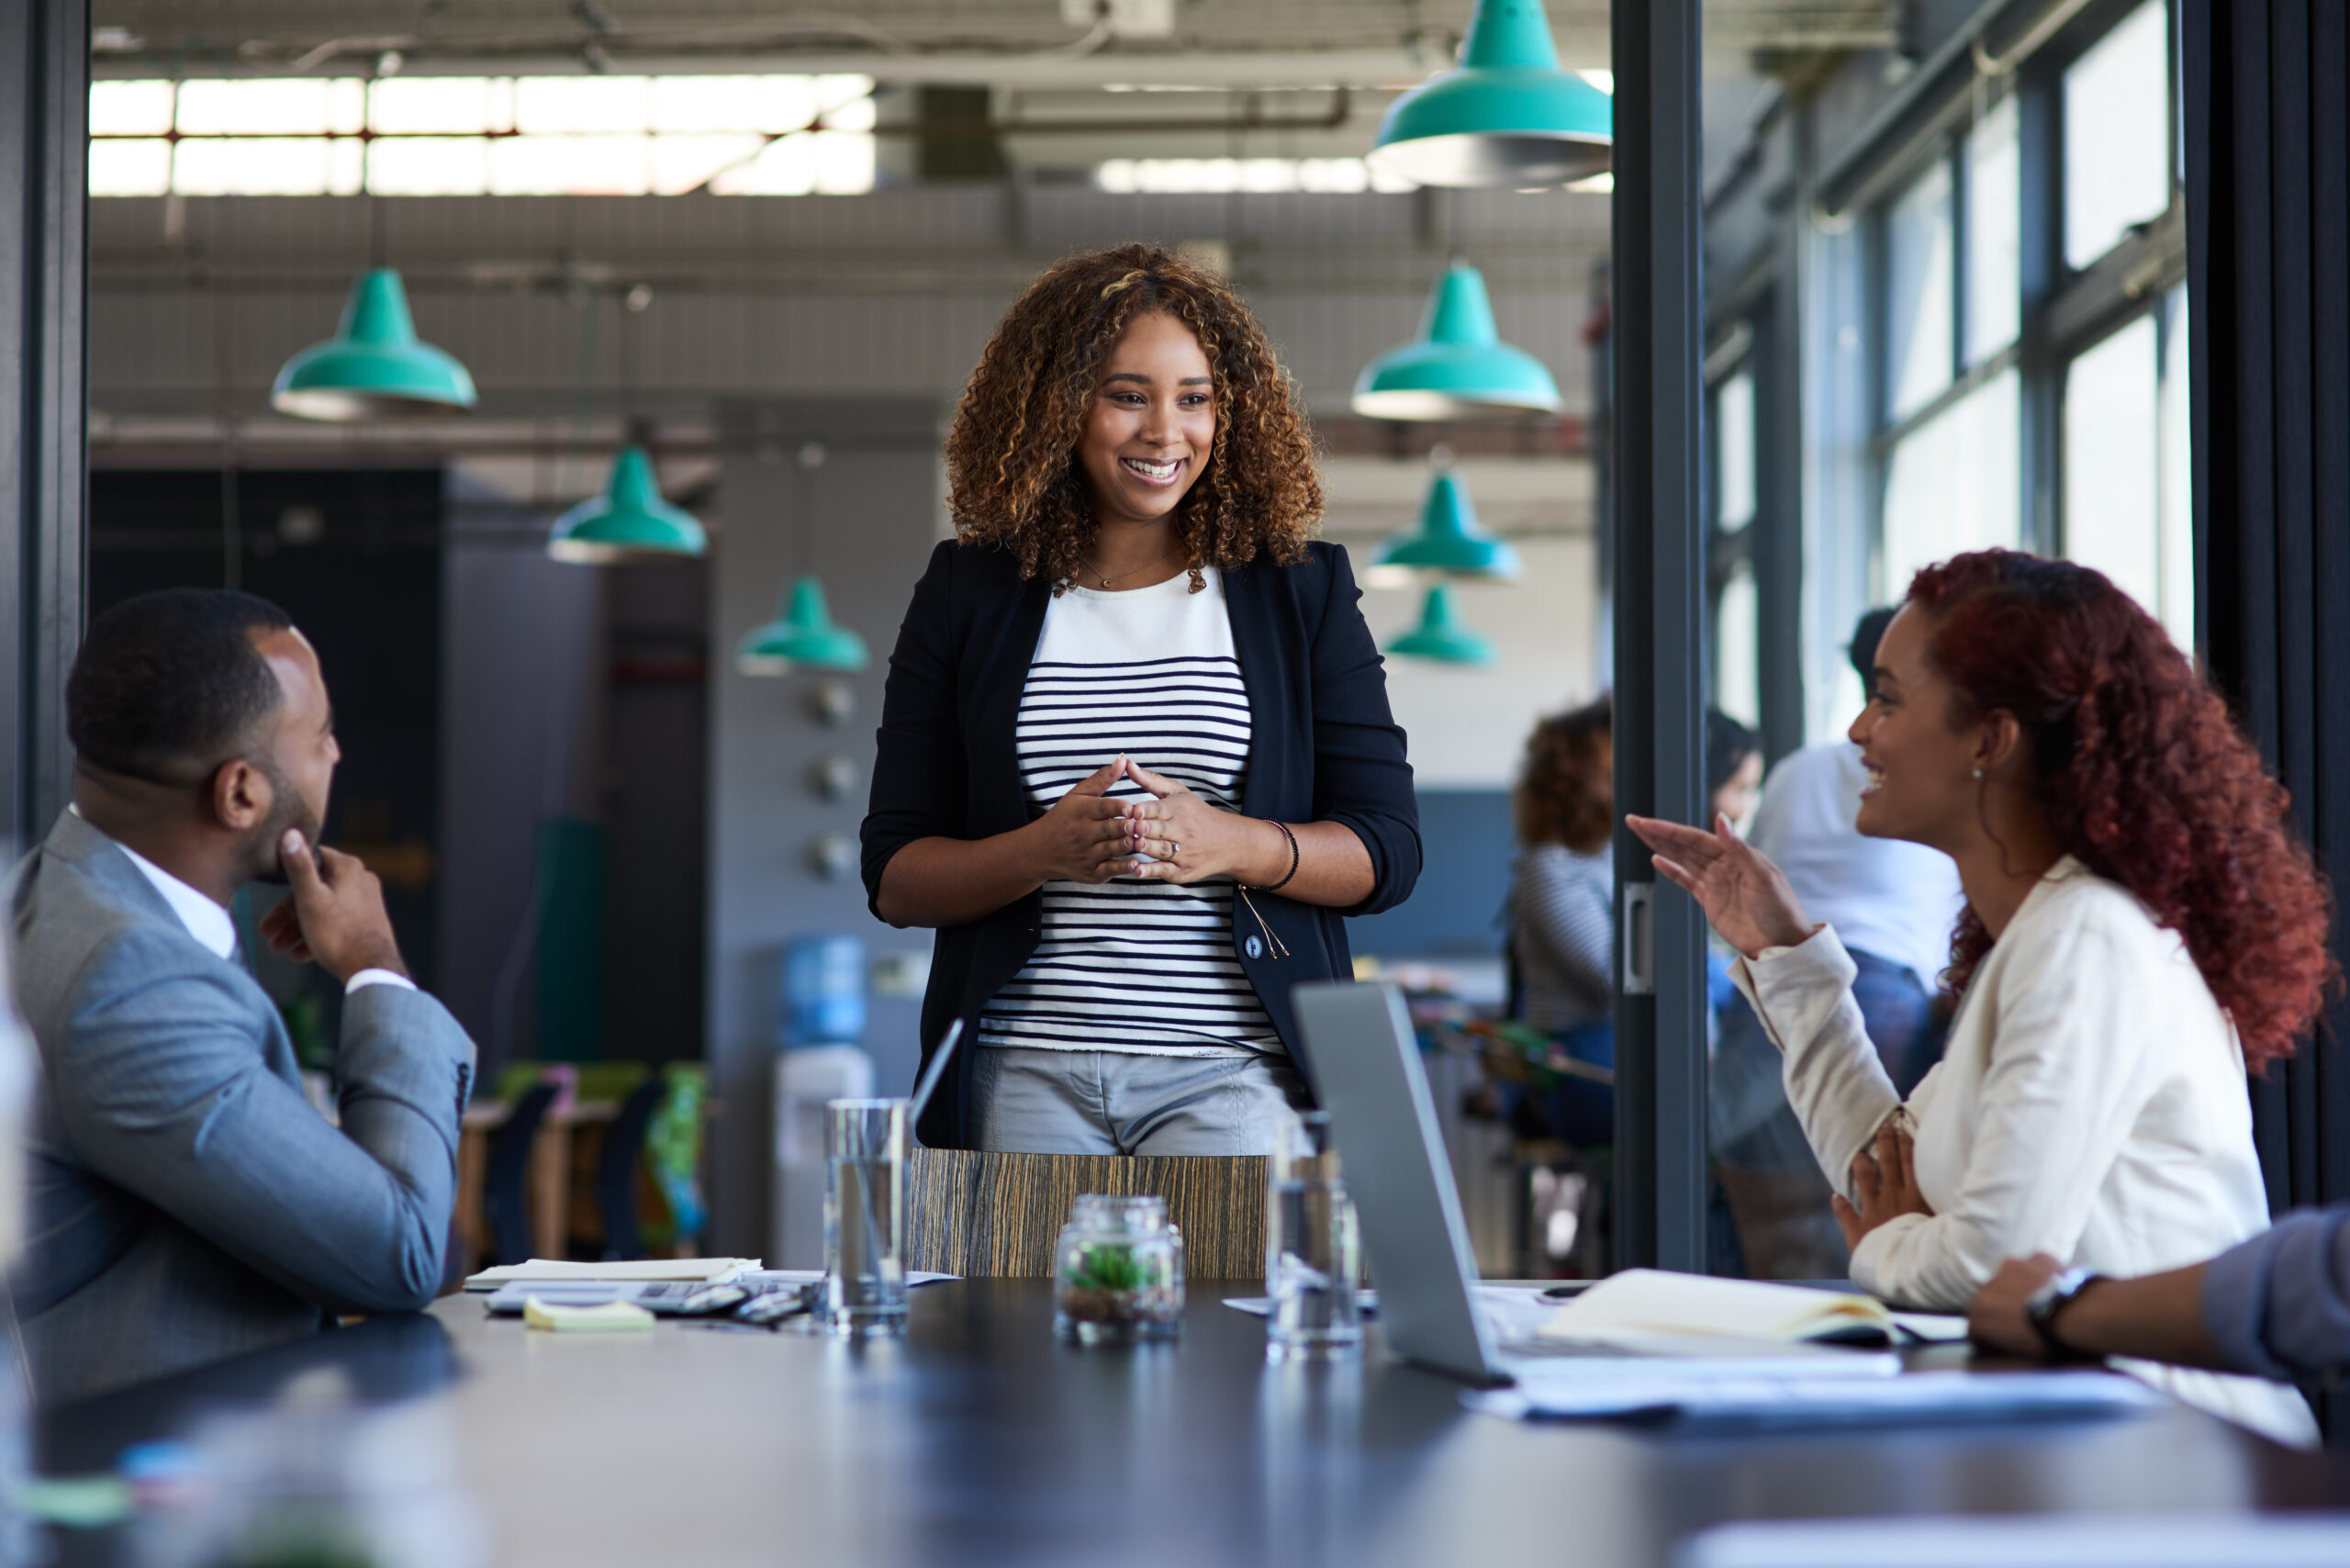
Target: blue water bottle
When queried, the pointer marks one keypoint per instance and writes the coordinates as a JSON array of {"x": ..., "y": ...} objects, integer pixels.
[{"x": 823, "y": 990}]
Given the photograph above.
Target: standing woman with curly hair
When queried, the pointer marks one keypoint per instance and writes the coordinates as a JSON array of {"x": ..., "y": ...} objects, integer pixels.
[
  {"x": 2139, "y": 928},
  {"x": 1136, "y": 757}
]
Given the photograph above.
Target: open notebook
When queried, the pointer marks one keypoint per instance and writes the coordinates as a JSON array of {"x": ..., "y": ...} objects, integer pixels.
[{"x": 1641, "y": 1307}]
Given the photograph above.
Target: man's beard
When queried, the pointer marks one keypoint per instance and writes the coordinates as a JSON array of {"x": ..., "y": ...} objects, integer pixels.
[{"x": 286, "y": 810}]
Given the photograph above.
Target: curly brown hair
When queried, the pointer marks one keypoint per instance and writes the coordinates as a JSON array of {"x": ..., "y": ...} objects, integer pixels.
[
  {"x": 2145, "y": 778},
  {"x": 1568, "y": 793},
  {"x": 1012, "y": 474}
]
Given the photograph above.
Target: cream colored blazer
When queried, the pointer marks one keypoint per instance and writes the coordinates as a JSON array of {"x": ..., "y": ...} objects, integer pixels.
[{"x": 2090, "y": 1104}]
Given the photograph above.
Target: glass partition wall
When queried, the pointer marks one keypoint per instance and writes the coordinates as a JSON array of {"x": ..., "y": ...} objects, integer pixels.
[{"x": 1946, "y": 310}]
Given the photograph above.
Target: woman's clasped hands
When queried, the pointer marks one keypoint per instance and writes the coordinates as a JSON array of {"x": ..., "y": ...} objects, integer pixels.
[
  {"x": 1174, "y": 837},
  {"x": 1086, "y": 837}
]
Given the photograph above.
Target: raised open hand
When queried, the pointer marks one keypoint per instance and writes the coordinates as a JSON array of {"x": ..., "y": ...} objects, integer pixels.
[{"x": 1744, "y": 896}]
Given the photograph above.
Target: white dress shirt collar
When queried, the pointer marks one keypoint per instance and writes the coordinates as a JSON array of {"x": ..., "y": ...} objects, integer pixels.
[
  {"x": 206, "y": 921},
  {"x": 212, "y": 926}
]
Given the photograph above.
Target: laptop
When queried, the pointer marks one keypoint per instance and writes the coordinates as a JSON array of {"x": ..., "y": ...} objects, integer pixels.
[{"x": 1365, "y": 1061}]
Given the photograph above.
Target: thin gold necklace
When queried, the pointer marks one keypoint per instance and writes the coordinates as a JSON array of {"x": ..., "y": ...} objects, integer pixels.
[{"x": 1159, "y": 560}]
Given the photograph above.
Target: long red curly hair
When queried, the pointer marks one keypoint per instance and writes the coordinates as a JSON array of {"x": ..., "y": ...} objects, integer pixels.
[
  {"x": 2145, "y": 777},
  {"x": 1012, "y": 474}
]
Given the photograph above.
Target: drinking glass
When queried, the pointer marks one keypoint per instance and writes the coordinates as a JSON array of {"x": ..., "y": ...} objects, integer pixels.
[
  {"x": 865, "y": 1216},
  {"x": 1313, "y": 1250}
]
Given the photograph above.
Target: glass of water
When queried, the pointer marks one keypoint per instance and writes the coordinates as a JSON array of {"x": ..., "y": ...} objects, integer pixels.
[
  {"x": 865, "y": 1216},
  {"x": 1312, "y": 1253}
]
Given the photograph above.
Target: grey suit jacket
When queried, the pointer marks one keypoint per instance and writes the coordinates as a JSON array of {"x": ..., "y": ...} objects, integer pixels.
[{"x": 186, "y": 1201}]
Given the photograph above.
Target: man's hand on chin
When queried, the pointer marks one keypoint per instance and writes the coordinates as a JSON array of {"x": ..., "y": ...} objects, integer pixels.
[{"x": 335, "y": 915}]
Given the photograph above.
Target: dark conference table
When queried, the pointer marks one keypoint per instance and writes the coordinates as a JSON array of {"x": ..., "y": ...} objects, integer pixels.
[{"x": 978, "y": 1438}]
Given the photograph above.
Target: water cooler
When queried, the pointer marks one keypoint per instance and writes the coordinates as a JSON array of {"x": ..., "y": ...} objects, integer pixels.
[{"x": 822, "y": 1018}]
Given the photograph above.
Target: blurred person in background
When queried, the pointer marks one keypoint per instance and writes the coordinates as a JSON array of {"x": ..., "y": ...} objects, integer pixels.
[
  {"x": 1733, "y": 783},
  {"x": 1733, "y": 767},
  {"x": 1561, "y": 913}
]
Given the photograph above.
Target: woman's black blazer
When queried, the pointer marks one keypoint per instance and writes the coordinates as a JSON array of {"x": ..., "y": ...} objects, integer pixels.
[{"x": 1322, "y": 747}]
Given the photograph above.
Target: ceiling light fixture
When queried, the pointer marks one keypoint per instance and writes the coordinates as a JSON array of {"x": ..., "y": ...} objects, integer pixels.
[
  {"x": 374, "y": 367},
  {"x": 801, "y": 636},
  {"x": 1448, "y": 541},
  {"x": 1507, "y": 118},
  {"x": 1458, "y": 369},
  {"x": 629, "y": 522},
  {"x": 1439, "y": 638}
]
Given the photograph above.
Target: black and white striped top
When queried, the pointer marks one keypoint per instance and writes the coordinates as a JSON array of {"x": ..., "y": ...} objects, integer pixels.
[
  {"x": 1130, "y": 964},
  {"x": 1563, "y": 933}
]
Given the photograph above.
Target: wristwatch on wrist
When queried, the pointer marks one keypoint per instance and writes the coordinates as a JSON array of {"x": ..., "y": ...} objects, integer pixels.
[{"x": 2052, "y": 1298}]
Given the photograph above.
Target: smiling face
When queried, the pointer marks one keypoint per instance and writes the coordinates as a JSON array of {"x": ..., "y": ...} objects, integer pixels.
[
  {"x": 1921, "y": 785},
  {"x": 1152, "y": 423}
]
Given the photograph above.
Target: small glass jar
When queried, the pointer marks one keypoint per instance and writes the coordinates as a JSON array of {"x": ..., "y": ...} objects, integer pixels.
[{"x": 1118, "y": 1272}]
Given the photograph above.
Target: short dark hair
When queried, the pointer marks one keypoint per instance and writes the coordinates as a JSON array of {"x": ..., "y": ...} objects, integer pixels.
[
  {"x": 169, "y": 683},
  {"x": 1867, "y": 632},
  {"x": 1729, "y": 743}
]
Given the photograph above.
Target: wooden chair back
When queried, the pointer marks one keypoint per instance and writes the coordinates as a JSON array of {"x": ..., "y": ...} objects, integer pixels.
[{"x": 997, "y": 1215}]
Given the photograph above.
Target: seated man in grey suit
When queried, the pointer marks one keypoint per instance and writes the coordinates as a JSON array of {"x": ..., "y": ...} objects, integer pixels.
[{"x": 186, "y": 1201}]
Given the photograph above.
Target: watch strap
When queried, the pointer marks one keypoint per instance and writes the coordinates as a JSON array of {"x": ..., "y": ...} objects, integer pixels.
[{"x": 2052, "y": 1298}]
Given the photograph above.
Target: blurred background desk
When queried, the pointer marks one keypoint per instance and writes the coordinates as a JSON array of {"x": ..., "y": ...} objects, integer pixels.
[
  {"x": 577, "y": 1174},
  {"x": 980, "y": 1439}
]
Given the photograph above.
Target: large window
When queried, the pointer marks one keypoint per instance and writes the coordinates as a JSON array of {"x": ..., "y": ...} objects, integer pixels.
[
  {"x": 1992, "y": 161},
  {"x": 1920, "y": 294},
  {"x": 2117, "y": 135},
  {"x": 1737, "y": 611},
  {"x": 2034, "y": 377},
  {"x": 1951, "y": 485},
  {"x": 483, "y": 136}
]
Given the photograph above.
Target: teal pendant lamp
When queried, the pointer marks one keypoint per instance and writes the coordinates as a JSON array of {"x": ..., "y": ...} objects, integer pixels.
[
  {"x": 801, "y": 636},
  {"x": 629, "y": 522},
  {"x": 372, "y": 367},
  {"x": 1508, "y": 117},
  {"x": 1448, "y": 541},
  {"x": 1460, "y": 368},
  {"x": 1439, "y": 637}
]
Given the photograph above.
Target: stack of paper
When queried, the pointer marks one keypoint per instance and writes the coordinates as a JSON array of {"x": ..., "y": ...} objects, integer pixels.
[{"x": 551, "y": 1270}]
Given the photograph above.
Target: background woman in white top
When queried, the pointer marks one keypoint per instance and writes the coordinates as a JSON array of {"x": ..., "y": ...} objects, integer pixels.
[
  {"x": 2139, "y": 926},
  {"x": 1136, "y": 756}
]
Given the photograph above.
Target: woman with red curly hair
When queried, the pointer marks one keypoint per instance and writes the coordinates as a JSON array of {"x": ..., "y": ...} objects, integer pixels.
[
  {"x": 1135, "y": 758},
  {"x": 2139, "y": 927}
]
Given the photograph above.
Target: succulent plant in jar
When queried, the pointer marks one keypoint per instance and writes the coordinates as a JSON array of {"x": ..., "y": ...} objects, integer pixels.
[{"x": 1118, "y": 1272}]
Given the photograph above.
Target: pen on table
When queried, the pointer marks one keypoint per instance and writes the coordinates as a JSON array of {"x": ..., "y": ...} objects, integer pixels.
[{"x": 936, "y": 1070}]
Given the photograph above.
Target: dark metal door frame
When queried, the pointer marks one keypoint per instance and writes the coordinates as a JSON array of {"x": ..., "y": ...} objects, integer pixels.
[
  {"x": 1659, "y": 601},
  {"x": 44, "y": 125}
]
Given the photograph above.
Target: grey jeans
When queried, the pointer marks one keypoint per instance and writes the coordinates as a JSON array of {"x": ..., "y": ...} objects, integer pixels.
[{"x": 1041, "y": 1101}]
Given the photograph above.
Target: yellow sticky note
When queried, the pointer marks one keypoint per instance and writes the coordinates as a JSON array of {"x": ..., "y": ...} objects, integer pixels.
[{"x": 612, "y": 1317}]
